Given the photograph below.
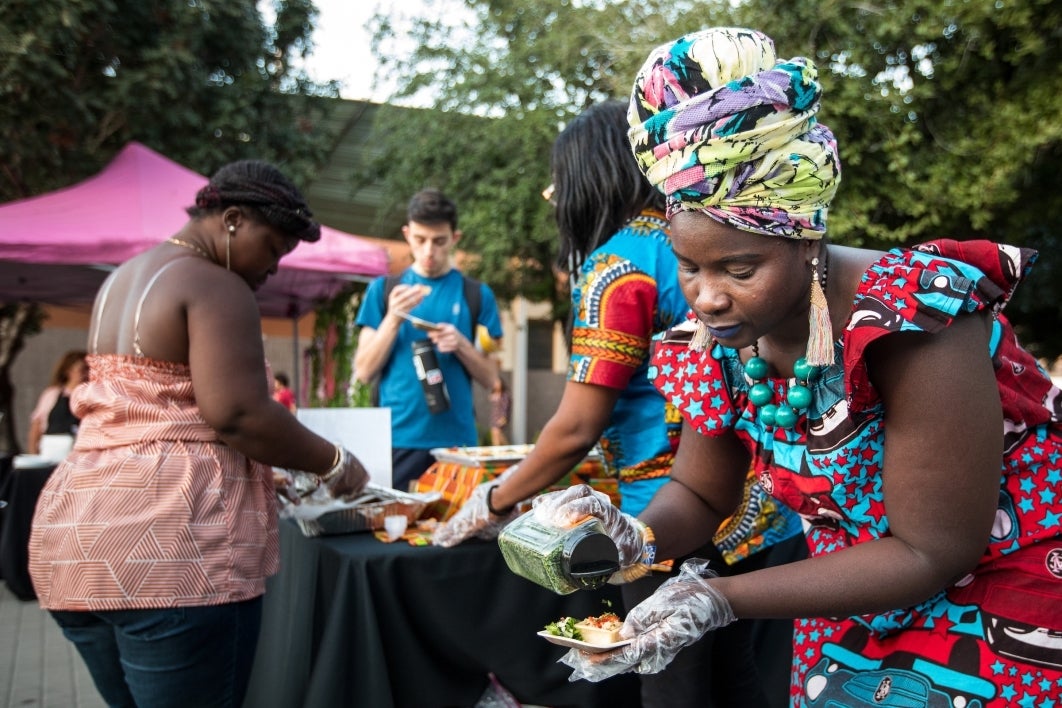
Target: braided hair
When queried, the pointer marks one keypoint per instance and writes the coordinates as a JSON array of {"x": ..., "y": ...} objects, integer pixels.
[{"x": 264, "y": 191}]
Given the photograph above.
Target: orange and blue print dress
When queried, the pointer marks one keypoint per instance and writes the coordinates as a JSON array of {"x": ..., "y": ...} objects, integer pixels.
[{"x": 995, "y": 637}]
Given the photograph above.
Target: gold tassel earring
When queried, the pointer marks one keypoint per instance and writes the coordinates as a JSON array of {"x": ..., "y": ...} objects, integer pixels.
[
  {"x": 820, "y": 328},
  {"x": 702, "y": 338},
  {"x": 228, "y": 247}
]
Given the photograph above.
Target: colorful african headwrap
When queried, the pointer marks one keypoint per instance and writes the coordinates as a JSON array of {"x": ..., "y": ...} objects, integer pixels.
[{"x": 719, "y": 125}]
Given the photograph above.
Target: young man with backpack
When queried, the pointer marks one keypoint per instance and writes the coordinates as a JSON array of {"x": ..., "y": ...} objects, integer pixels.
[{"x": 446, "y": 308}]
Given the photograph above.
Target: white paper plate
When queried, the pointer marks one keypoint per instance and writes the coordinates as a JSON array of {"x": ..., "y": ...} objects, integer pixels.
[
  {"x": 582, "y": 646},
  {"x": 487, "y": 454},
  {"x": 479, "y": 456}
]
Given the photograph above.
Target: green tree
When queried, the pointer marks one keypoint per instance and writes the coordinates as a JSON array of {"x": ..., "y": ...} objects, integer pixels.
[
  {"x": 502, "y": 81},
  {"x": 204, "y": 82},
  {"x": 945, "y": 111},
  {"x": 945, "y": 115}
]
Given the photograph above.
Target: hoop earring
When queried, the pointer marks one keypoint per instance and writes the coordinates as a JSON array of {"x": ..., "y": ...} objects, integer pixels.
[{"x": 228, "y": 247}]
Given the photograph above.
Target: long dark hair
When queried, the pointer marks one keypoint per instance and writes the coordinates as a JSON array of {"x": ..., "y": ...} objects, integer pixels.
[{"x": 597, "y": 184}]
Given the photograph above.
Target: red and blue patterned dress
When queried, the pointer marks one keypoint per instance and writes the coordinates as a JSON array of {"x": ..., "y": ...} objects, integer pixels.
[{"x": 995, "y": 637}]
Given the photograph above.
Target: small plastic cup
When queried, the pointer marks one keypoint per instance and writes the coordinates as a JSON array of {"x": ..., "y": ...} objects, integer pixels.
[{"x": 395, "y": 526}]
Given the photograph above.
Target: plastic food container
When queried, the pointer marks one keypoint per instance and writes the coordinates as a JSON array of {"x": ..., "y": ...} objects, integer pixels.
[{"x": 561, "y": 559}]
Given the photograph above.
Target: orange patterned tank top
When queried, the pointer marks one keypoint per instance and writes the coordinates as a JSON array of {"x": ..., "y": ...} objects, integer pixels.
[{"x": 150, "y": 510}]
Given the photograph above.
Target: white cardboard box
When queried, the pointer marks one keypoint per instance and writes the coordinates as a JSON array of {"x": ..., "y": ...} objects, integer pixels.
[{"x": 364, "y": 431}]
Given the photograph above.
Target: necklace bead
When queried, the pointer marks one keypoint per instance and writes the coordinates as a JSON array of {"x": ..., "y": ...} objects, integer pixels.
[
  {"x": 785, "y": 417},
  {"x": 756, "y": 368},
  {"x": 797, "y": 399},
  {"x": 804, "y": 371}
]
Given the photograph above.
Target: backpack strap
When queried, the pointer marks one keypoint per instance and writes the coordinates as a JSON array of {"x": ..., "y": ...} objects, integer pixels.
[{"x": 474, "y": 299}]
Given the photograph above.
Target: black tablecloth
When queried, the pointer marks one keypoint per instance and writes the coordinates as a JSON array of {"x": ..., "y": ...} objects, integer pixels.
[
  {"x": 20, "y": 489},
  {"x": 352, "y": 621}
]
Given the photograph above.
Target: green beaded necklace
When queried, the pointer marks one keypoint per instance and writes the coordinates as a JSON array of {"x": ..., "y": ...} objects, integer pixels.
[{"x": 797, "y": 398}]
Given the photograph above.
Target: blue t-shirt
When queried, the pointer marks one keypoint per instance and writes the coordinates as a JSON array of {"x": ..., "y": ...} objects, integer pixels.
[{"x": 412, "y": 425}]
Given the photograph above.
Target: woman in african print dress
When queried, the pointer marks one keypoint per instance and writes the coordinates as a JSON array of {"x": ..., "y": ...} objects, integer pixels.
[
  {"x": 882, "y": 395},
  {"x": 615, "y": 245}
]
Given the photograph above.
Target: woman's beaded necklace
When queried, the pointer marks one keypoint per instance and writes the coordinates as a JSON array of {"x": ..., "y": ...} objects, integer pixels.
[{"x": 796, "y": 400}]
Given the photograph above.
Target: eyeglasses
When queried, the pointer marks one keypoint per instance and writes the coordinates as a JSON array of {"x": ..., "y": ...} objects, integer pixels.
[{"x": 547, "y": 194}]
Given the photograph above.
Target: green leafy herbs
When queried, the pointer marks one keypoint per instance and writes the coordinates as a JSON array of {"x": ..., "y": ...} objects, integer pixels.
[{"x": 565, "y": 628}]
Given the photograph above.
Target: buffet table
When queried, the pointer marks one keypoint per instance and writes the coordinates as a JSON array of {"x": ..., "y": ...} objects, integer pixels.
[{"x": 350, "y": 620}]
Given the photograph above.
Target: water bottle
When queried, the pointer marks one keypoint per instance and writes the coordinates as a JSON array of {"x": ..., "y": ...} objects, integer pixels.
[{"x": 431, "y": 378}]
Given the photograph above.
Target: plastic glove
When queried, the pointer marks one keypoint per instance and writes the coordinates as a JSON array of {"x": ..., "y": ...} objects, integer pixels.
[
  {"x": 284, "y": 484},
  {"x": 351, "y": 480},
  {"x": 675, "y": 616},
  {"x": 474, "y": 518},
  {"x": 634, "y": 540}
]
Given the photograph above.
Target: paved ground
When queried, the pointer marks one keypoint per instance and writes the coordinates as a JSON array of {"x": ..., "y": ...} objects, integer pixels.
[{"x": 38, "y": 666}]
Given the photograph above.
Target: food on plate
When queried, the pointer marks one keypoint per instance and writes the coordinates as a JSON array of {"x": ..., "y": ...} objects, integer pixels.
[
  {"x": 564, "y": 627},
  {"x": 601, "y": 629}
]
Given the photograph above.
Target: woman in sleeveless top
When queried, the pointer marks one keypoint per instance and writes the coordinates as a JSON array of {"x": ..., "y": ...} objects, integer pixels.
[
  {"x": 153, "y": 539},
  {"x": 52, "y": 424}
]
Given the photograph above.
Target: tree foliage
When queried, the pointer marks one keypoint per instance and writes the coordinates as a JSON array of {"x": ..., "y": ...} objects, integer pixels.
[
  {"x": 204, "y": 82},
  {"x": 945, "y": 110}
]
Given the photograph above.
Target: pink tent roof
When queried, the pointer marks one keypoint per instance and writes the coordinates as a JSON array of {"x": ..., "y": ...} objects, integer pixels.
[{"x": 58, "y": 247}]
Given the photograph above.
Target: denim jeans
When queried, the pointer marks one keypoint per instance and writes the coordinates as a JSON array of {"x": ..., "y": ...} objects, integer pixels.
[{"x": 179, "y": 657}]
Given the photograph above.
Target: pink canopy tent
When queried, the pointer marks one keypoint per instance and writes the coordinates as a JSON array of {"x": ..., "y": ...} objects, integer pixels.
[{"x": 58, "y": 247}]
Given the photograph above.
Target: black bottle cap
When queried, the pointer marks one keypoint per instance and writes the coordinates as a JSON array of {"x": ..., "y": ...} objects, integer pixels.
[{"x": 590, "y": 559}]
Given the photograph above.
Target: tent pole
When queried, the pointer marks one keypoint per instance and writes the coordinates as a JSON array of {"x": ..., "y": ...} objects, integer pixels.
[{"x": 296, "y": 365}]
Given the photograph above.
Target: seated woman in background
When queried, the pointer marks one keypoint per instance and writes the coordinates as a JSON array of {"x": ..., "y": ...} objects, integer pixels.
[{"x": 52, "y": 424}]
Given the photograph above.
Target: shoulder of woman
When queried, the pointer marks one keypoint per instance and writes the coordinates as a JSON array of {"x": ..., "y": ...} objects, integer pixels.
[{"x": 196, "y": 278}]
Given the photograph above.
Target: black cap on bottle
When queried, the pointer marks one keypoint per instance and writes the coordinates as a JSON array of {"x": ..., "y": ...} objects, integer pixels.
[{"x": 589, "y": 560}]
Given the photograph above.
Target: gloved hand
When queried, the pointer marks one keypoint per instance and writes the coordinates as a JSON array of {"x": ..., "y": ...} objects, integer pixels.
[
  {"x": 474, "y": 518},
  {"x": 675, "y": 616},
  {"x": 284, "y": 484},
  {"x": 634, "y": 540},
  {"x": 348, "y": 477}
]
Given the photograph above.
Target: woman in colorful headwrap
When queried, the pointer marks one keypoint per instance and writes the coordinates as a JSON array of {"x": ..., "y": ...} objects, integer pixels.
[
  {"x": 883, "y": 396},
  {"x": 616, "y": 246},
  {"x": 152, "y": 541}
]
